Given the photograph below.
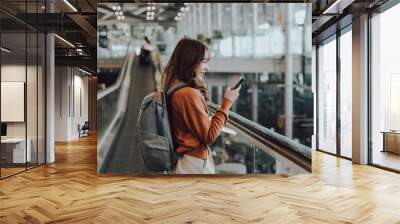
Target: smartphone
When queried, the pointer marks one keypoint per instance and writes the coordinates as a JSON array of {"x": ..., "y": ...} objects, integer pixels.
[{"x": 238, "y": 83}]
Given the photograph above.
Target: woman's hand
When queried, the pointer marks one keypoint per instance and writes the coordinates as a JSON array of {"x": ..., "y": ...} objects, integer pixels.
[{"x": 231, "y": 95}]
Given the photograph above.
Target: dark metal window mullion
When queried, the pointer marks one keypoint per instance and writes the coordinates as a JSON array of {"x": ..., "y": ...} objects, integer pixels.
[
  {"x": 369, "y": 88},
  {"x": 317, "y": 97},
  {"x": 26, "y": 86},
  {"x": 46, "y": 36},
  {"x": 45, "y": 93},
  {"x": 338, "y": 98},
  {"x": 73, "y": 92},
  {"x": 60, "y": 88},
  {"x": 37, "y": 90},
  {"x": 0, "y": 91},
  {"x": 69, "y": 93}
]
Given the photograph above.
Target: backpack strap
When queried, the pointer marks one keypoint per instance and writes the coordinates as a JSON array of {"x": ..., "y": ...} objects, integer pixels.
[
  {"x": 175, "y": 87},
  {"x": 168, "y": 95}
]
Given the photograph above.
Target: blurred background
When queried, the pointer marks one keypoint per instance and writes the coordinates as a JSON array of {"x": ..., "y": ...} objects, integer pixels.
[
  {"x": 262, "y": 42},
  {"x": 268, "y": 44}
]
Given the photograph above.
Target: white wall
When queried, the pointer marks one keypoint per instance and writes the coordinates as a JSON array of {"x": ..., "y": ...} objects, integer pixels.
[
  {"x": 16, "y": 73},
  {"x": 13, "y": 73},
  {"x": 79, "y": 117},
  {"x": 33, "y": 126},
  {"x": 61, "y": 103},
  {"x": 71, "y": 94}
]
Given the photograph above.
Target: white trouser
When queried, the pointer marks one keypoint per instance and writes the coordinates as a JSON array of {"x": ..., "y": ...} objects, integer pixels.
[{"x": 188, "y": 164}]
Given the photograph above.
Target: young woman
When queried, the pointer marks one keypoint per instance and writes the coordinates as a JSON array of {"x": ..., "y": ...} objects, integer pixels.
[{"x": 192, "y": 129}]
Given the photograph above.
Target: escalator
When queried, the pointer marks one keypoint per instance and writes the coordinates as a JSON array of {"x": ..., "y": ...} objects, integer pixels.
[
  {"x": 257, "y": 149},
  {"x": 243, "y": 147},
  {"x": 118, "y": 153}
]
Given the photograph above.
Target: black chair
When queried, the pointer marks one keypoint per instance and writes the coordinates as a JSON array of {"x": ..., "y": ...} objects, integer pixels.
[{"x": 84, "y": 130}]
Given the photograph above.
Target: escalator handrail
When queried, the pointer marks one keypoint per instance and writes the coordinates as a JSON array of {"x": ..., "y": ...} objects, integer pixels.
[
  {"x": 121, "y": 77},
  {"x": 107, "y": 139},
  {"x": 294, "y": 151}
]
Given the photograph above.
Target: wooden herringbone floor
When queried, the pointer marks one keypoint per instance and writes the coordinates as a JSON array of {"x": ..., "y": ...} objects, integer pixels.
[{"x": 70, "y": 191}]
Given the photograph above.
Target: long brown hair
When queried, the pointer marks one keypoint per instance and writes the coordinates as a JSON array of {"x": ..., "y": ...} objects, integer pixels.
[
  {"x": 187, "y": 56},
  {"x": 147, "y": 39}
]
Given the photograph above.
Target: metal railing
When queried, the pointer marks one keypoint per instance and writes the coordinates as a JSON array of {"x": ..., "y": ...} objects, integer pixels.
[
  {"x": 282, "y": 148},
  {"x": 111, "y": 107}
]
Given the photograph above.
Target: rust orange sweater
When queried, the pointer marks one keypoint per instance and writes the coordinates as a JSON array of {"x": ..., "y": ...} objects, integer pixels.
[{"x": 191, "y": 126}]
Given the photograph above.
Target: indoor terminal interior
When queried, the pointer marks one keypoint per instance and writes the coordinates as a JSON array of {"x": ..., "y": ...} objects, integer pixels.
[{"x": 316, "y": 126}]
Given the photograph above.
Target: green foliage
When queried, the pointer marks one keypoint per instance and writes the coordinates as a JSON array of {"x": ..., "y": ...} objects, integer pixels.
[
  {"x": 201, "y": 37},
  {"x": 217, "y": 35},
  {"x": 208, "y": 40}
]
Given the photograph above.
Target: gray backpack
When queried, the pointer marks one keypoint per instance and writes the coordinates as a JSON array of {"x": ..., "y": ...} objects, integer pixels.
[{"x": 154, "y": 131}]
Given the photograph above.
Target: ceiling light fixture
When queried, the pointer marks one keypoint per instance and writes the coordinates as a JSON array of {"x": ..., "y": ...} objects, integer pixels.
[
  {"x": 150, "y": 8},
  {"x": 5, "y": 50},
  {"x": 64, "y": 40},
  {"x": 70, "y": 5}
]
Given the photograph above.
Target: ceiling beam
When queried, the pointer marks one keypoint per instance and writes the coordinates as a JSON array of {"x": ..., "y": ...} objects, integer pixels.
[
  {"x": 84, "y": 24},
  {"x": 82, "y": 61}
]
